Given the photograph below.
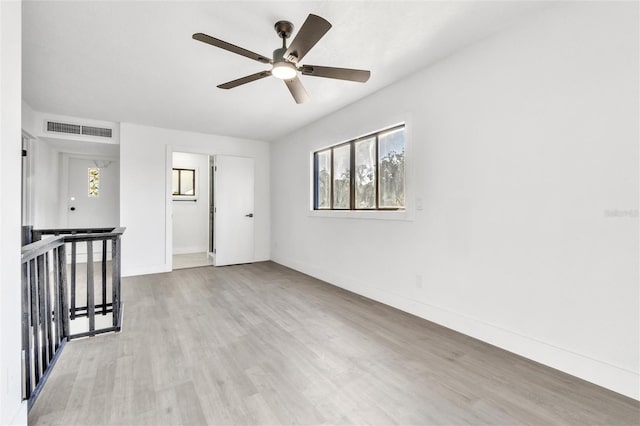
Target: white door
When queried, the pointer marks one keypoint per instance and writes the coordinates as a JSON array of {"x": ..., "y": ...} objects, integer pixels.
[
  {"x": 98, "y": 206},
  {"x": 233, "y": 210}
]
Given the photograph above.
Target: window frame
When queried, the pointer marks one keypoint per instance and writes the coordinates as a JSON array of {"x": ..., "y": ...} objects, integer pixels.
[
  {"x": 352, "y": 181},
  {"x": 178, "y": 194},
  {"x": 315, "y": 179}
]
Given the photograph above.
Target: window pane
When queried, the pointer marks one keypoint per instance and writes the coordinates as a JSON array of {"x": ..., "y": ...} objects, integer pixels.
[
  {"x": 323, "y": 185},
  {"x": 365, "y": 174},
  {"x": 94, "y": 182},
  {"x": 391, "y": 169},
  {"x": 341, "y": 178},
  {"x": 187, "y": 182},
  {"x": 174, "y": 177}
]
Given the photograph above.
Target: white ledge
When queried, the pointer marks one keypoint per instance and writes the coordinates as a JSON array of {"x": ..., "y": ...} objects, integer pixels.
[{"x": 364, "y": 214}]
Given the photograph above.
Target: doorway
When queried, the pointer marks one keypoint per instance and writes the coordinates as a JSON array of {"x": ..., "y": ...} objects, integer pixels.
[
  {"x": 92, "y": 196},
  {"x": 212, "y": 210},
  {"x": 93, "y": 193},
  {"x": 190, "y": 187}
]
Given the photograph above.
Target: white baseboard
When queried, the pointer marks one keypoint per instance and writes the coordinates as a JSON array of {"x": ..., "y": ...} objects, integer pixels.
[
  {"x": 145, "y": 270},
  {"x": 601, "y": 373}
]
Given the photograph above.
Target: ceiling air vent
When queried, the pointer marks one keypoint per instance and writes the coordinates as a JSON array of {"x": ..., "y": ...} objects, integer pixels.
[
  {"x": 96, "y": 131},
  {"x": 77, "y": 129},
  {"x": 52, "y": 126}
]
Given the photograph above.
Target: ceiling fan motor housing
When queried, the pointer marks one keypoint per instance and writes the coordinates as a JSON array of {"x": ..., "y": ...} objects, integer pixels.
[
  {"x": 282, "y": 68},
  {"x": 278, "y": 55}
]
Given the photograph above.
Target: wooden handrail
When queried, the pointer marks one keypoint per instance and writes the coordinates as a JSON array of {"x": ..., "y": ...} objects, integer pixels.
[
  {"x": 62, "y": 236},
  {"x": 33, "y": 250}
]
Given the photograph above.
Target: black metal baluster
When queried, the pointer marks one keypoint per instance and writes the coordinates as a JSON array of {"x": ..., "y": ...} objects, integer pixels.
[
  {"x": 62, "y": 291},
  {"x": 73, "y": 279},
  {"x": 104, "y": 277},
  {"x": 91, "y": 307},
  {"x": 26, "y": 319},
  {"x": 41, "y": 331},
  {"x": 57, "y": 314},
  {"x": 35, "y": 319},
  {"x": 115, "y": 281},
  {"x": 48, "y": 318}
]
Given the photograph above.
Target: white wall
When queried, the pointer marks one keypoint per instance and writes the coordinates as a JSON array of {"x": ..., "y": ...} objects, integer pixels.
[
  {"x": 145, "y": 185},
  {"x": 45, "y": 185},
  {"x": 12, "y": 410},
  {"x": 191, "y": 218},
  {"x": 522, "y": 148},
  {"x": 34, "y": 123},
  {"x": 49, "y": 155},
  {"x": 99, "y": 212}
]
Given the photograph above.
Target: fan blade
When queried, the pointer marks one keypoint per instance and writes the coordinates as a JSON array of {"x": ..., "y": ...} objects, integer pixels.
[
  {"x": 297, "y": 90},
  {"x": 244, "y": 80},
  {"x": 230, "y": 47},
  {"x": 311, "y": 31},
  {"x": 338, "y": 73}
]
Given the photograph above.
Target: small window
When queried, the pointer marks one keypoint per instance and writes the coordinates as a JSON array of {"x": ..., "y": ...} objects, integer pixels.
[
  {"x": 391, "y": 169},
  {"x": 365, "y": 176},
  {"x": 184, "y": 182},
  {"x": 323, "y": 180},
  {"x": 94, "y": 182},
  {"x": 367, "y": 173},
  {"x": 341, "y": 177}
]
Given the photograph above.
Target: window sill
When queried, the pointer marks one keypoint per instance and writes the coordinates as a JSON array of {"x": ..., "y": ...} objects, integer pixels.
[{"x": 363, "y": 214}]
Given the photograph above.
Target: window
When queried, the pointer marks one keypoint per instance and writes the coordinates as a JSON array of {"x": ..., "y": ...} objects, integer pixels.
[
  {"x": 94, "y": 182},
  {"x": 367, "y": 173},
  {"x": 184, "y": 182},
  {"x": 341, "y": 177}
]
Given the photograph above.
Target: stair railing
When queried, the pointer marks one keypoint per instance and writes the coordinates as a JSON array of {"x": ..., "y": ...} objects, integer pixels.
[{"x": 51, "y": 308}]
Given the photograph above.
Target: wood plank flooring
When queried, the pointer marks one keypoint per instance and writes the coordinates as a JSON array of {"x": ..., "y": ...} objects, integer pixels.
[
  {"x": 191, "y": 260},
  {"x": 262, "y": 344}
]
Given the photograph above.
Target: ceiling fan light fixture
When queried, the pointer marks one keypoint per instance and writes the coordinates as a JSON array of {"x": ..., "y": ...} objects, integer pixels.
[
  {"x": 285, "y": 62},
  {"x": 284, "y": 70}
]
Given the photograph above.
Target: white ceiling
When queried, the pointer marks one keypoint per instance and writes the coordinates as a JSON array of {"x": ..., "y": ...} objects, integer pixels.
[{"x": 135, "y": 61}]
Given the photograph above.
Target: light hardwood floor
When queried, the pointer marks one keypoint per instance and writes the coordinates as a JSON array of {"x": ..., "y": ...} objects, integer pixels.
[
  {"x": 191, "y": 260},
  {"x": 262, "y": 344}
]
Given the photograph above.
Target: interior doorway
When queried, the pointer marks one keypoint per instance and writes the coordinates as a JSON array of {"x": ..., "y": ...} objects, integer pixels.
[
  {"x": 26, "y": 185},
  {"x": 191, "y": 187},
  {"x": 93, "y": 193}
]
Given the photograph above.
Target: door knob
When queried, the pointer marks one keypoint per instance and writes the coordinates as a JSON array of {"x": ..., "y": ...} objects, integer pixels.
[{"x": 248, "y": 215}]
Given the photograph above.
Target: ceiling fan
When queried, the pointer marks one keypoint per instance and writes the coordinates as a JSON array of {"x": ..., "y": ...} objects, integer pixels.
[{"x": 285, "y": 60}]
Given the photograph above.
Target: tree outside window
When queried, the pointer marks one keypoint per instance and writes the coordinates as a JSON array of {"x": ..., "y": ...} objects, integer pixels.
[{"x": 367, "y": 173}]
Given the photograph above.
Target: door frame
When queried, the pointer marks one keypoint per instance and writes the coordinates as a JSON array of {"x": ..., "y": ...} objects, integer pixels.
[
  {"x": 168, "y": 196},
  {"x": 27, "y": 172}
]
